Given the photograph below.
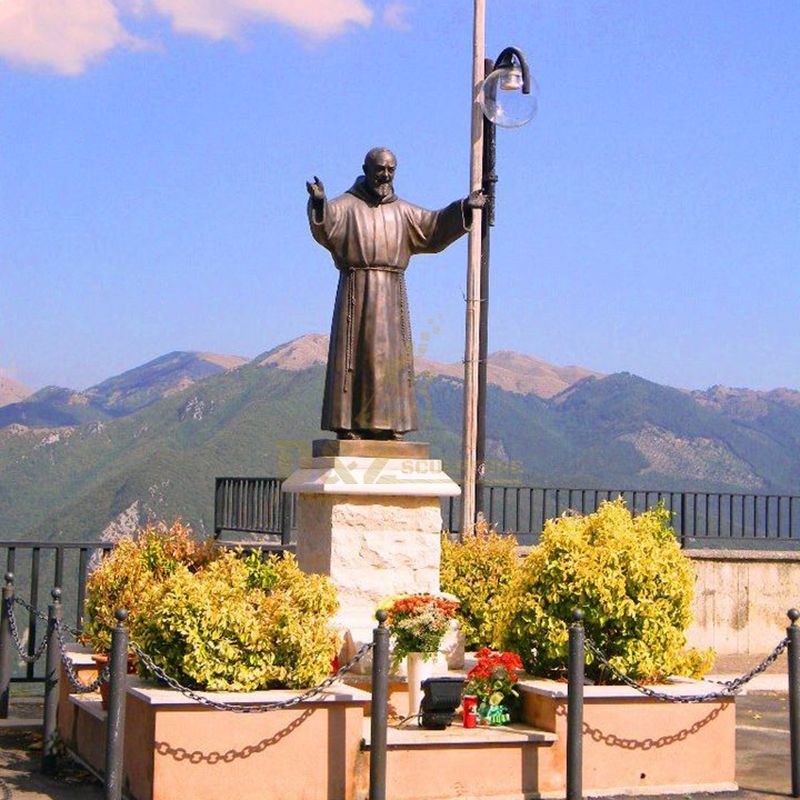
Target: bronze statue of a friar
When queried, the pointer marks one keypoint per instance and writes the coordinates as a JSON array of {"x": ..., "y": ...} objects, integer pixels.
[{"x": 372, "y": 234}]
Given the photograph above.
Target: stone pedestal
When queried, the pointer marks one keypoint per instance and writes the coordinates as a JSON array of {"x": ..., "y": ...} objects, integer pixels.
[{"x": 370, "y": 519}]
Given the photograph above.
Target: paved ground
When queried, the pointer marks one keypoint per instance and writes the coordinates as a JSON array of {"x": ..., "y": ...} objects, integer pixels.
[{"x": 762, "y": 757}]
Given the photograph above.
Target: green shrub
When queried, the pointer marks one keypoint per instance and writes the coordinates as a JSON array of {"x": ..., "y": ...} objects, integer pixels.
[
  {"x": 133, "y": 572},
  {"x": 478, "y": 571},
  {"x": 630, "y": 579},
  {"x": 242, "y": 624}
]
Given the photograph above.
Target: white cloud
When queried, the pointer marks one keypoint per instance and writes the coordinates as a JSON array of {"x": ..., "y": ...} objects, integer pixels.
[
  {"x": 61, "y": 35},
  {"x": 222, "y": 19},
  {"x": 394, "y": 16},
  {"x": 68, "y": 35}
]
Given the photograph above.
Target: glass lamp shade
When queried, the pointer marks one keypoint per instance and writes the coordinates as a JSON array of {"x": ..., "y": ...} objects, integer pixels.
[{"x": 502, "y": 100}]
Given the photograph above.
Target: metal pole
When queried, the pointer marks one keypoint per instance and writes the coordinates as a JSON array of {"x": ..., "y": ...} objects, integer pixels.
[
  {"x": 115, "y": 723},
  {"x": 286, "y": 518},
  {"x": 683, "y": 519},
  {"x": 52, "y": 668},
  {"x": 471, "y": 345},
  {"x": 380, "y": 709},
  {"x": 5, "y": 645},
  {"x": 575, "y": 672},
  {"x": 488, "y": 181},
  {"x": 793, "y": 632}
]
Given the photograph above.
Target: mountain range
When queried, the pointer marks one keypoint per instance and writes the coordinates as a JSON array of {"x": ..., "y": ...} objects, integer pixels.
[{"x": 149, "y": 442}]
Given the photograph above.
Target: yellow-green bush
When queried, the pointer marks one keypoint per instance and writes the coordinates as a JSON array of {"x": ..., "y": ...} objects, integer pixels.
[
  {"x": 630, "y": 579},
  {"x": 133, "y": 572},
  {"x": 242, "y": 624},
  {"x": 478, "y": 572}
]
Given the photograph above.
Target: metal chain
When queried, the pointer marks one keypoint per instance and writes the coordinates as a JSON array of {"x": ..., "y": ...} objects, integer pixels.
[
  {"x": 19, "y": 646},
  {"x": 731, "y": 687},
  {"x": 244, "y": 708},
  {"x": 30, "y": 609},
  {"x": 76, "y": 632},
  {"x": 737, "y": 683},
  {"x": 72, "y": 676}
]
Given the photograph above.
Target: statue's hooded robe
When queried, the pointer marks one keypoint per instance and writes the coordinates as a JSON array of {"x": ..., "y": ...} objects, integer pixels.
[{"x": 369, "y": 384}]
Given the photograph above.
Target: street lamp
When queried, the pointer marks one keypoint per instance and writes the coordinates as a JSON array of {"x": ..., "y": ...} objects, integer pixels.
[{"x": 508, "y": 97}]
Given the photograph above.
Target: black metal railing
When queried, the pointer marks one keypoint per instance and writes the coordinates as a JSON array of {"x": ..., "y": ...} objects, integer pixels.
[
  {"x": 41, "y": 565},
  {"x": 253, "y": 505},
  {"x": 245, "y": 505},
  {"x": 699, "y": 518}
]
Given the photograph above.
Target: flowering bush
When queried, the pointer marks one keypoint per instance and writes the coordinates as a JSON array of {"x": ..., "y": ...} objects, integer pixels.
[
  {"x": 632, "y": 582},
  {"x": 211, "y": 618},
  {"x": 418, "y": 622},
  {"x": 134, "y": 572},
  {"x": 478, "y": 571},
  {"x": 492, "y": 680},
  {"x": 241, "y": 624}
]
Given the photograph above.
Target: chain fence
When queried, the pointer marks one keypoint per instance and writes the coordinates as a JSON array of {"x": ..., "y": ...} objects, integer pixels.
[
  {"x": 731, "y": 687},
  {"x": 19, "y": 645},
  {"x": 69, "y": 669},
  {"x": 248, "y": 708},
  {"x": 61, "y": 629}
]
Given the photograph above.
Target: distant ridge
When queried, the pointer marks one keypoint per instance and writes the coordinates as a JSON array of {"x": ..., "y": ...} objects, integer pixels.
[
  {"x": 124, "y": 394},
  {"x": 139, "y": 387},
  {"x": 516, "y": 373},
  {"x": 12, "y": 391},
  {"x": 298, "y": 354},
  {"x": 511, "y": 371}
]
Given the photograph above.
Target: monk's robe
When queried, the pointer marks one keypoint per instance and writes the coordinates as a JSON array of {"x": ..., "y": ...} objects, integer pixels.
[{"x": 369, "y": 385}]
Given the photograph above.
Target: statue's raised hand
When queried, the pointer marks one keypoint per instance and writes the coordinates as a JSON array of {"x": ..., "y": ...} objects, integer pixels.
[
  {"x": 316, "y": 190},
  {"x": 476, "y": 199}
]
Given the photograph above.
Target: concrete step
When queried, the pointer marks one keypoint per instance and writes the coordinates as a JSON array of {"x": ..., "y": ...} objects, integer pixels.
[{"x": 485, "y": 762}]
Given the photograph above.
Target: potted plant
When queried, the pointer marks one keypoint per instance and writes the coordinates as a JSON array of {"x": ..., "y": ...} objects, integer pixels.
[
  {"x": 492, "y": 681},
  {"x": 418, "y": 623}
]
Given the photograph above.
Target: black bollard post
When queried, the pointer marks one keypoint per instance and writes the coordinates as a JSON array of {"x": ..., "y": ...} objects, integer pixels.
[
  {"x": 5, "y": 645},
  {"x": 793, "y": 653},
  {"x": 575, "y": 675},
  {"x": 115, "y": 722},
  {"x": 52, "y": 668},
  {"x": 380, "y": 709}
]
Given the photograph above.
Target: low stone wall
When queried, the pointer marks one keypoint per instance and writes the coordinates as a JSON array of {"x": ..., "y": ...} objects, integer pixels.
[{"x": 741, "y": 599}]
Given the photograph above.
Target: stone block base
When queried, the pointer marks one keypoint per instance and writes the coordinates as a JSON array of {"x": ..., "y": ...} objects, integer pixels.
[{"x": 371, "y": 547}]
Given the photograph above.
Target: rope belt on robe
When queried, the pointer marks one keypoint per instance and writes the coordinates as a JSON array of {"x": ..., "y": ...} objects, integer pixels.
[{"x": 351, "y": 305}]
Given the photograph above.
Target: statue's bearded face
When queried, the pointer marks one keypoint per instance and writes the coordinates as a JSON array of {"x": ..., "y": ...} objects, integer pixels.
[{"x": 379, "y": 170}]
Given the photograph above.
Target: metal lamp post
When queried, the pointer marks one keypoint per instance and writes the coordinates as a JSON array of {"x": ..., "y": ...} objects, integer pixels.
[
  {"x": 497, "y": 88},
  {"x": 509, "y": 73}
]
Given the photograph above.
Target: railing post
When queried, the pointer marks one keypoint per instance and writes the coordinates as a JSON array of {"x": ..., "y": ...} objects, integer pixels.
[
  {"x": 115, "y": 723},
  {"x": 286, "y": 518},
  {"x": 52, "y": 667},
  {"x": 683, "y": 519},
  {"x": 380, "y": 709},
  {"x": 5, "y": 645},
  {"x": 575, "y": 675},
  {"x": 793, "y": 632}
]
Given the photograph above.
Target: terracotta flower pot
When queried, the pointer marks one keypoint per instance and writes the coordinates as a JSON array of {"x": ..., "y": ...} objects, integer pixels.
[{"x": 100, "y": 660}]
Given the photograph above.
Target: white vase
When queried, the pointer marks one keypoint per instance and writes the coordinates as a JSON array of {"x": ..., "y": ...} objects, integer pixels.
[{"x": 420, "y": 667}]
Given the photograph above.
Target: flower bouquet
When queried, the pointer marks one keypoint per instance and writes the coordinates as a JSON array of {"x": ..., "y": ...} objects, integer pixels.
[
  {"x": 492, "y": 680},
  {"x": 419, "y": 622}
]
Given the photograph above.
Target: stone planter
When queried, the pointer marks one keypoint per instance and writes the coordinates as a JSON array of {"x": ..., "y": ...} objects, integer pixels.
[
  {"x": 176, "y": 748},
  {"x": 633, "y": 744}
]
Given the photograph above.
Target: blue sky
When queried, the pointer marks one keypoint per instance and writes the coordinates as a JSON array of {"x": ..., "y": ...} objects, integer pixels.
[{"x": 153, "y": 155}]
